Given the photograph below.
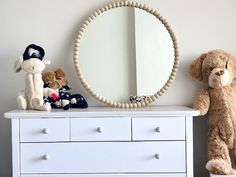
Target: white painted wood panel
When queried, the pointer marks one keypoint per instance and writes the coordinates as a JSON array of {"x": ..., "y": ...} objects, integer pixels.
[
  {"x": 104, "y": 157},
  {"x": 101, "y": 129},
  {"x": 172, "y": 128},
  {"x": 44, "y": 130},
  {"x": 107, "y": 175},
  {"x": 104, "y": 111}
]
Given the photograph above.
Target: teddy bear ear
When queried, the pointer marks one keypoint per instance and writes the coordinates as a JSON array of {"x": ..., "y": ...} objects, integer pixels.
[
  {"x": 60, "y": 73},
  {"x": 195, "y": 69},
  {"x": 232, "y": 64}
]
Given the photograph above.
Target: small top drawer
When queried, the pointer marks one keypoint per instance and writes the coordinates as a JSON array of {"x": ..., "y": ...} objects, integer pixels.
[
  {"x": 157, "y": 128},
  {"x": 101, "y": 129},
  {"x": 44, "y": 130}
]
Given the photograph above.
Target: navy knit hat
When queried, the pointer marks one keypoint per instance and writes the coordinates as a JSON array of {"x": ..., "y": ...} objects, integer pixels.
[{"x": 33, "y": 51}]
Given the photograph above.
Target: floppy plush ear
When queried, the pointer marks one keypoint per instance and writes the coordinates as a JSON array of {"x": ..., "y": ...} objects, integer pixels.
[
  {"x": 47, "y": 62},
  {"x": 195, "y": 69},
  {"x": 232, "y": 65},
  {"x": 17, "y": 65}
]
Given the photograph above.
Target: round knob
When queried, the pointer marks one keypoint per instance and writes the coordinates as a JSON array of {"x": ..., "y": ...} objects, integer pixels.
[
  {"x": 45, "y": 130},
  {"x": 158, "y": 130},
  {"x": 46, "y": 157},
  {"x": 99, "y": 129},
  {"x": 157, "y": 156}
]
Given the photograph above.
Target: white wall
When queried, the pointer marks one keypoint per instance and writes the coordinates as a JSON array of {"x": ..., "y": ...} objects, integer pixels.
[{"x": 199, "y": 25}]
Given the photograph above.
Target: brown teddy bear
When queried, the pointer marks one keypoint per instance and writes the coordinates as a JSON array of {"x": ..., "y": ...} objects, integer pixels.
[
  {"x": 216, "y": 69},
  {"x": 55, "y": 79}
]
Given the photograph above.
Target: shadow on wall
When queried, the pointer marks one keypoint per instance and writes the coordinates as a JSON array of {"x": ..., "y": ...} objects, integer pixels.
[
  {"x": 5, "y": 138},
  {"x": 200, "y": 146},
  {"x": 5, "y": 152}
]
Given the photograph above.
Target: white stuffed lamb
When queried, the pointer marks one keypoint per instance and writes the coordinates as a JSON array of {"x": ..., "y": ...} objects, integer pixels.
[{"x": 33, "y": 64}]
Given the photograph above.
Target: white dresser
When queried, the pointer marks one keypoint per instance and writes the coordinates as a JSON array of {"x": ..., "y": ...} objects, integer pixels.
[{"x": 103, "y": 142}]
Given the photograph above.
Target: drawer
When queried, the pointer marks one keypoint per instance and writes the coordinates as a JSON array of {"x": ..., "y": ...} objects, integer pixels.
[
  {"x": 156, "y": 128},
  {"x": 108, "y": 175},
  {"x": 103, "y": 157},
  {"x": 101, "y": 129},
  {"x": 44, "y": 130}
]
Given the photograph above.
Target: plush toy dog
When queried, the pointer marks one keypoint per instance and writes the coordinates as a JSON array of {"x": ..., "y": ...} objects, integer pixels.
[
  {"x": 58, "y": 81},
  {"x": 33, "y": 64},
  {"x": 216, "y": 69}
]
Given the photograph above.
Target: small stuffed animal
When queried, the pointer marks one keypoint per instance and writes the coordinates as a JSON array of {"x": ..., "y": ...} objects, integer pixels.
[
  {"x": 78, "y": 101},
  {"x": 136, "y": 99},
  {"x": 216, "y": 70},
  {"x": 57, "y": 80},
  {"x": 33, "y": 64}
]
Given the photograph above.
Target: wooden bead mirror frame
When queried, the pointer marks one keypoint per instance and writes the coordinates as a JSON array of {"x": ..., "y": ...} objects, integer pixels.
[{"x": 149, "y": 99}]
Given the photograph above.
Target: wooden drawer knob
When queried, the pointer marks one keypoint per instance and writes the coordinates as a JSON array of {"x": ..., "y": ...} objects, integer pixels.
[
  {"x": 99, "y": 129},
  {"x": 157, "y": 156},
  {"x": 46, "y": 131},
  {"x": 158, "y": 130},
  {"x": 46, "y": 157}
]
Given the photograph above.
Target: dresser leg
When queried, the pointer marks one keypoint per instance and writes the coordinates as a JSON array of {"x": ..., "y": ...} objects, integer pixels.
[
  {"x": 189, "y": 146},
  {"x": 15, "y": 148}
]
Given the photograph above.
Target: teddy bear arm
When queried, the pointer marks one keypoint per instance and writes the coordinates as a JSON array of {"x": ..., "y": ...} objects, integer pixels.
[
  {"x": 54, "y": 85},
  {"x": 233, "y": 85},
  {"x": 226, "y": 132},
  {"x": 202, "y": 102}
]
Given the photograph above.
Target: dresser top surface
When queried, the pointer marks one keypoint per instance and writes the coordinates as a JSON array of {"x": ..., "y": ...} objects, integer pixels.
[{"x": 104, "y": 111}]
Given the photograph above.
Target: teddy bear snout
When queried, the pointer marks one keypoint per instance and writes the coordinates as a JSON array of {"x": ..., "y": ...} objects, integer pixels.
[
  {"x": 220, "y": 73},
  {"x": 219, "y": 77}
]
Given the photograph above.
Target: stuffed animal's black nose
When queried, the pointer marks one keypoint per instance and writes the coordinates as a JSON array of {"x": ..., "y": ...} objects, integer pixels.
[{"x": 219, "y": 73}]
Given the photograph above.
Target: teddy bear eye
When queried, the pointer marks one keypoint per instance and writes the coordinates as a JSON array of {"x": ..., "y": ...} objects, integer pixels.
[
  {"x": 226, "y": 66},
  {"x": 211, "y": 68}
]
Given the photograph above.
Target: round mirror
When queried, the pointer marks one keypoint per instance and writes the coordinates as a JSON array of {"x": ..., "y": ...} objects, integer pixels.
[{"x": 125, "y": 55}]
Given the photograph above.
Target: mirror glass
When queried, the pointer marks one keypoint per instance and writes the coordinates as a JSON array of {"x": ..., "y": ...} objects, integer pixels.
[{"x": 126, "y": 52}]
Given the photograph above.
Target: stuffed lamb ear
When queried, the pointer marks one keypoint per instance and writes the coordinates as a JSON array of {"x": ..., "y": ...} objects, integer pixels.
[
  {"x": 18, "y": 63},
  {"x": 47, "y": 62},
  {"x": 195, "y": 69}
]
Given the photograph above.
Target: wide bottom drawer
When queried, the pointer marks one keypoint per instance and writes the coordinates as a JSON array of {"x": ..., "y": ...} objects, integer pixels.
[
  {"x": 103, "y": 157},
  {"x": 108, "y": 175}
]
